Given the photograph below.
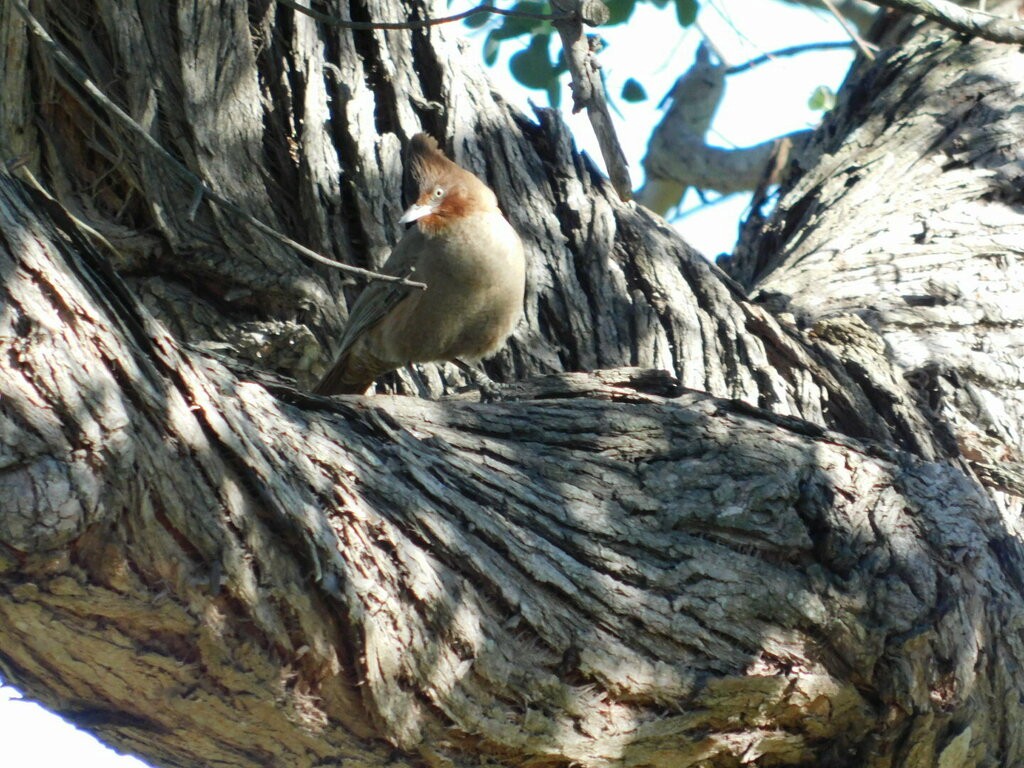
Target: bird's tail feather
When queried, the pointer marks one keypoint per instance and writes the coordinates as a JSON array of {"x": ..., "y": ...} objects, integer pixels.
[{"x": 352, "y": 374}]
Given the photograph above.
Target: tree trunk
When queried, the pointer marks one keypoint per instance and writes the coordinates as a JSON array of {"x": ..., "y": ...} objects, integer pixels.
[{"x": 796, "y": 544}]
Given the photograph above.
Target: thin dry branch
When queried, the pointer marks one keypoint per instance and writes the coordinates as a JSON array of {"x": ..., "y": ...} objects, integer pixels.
[
  {"x": 337, "y": 21},
  {"x": 202, "y": 189},
  {"x": 792, "y": 50},
  {"x": 987, "y": 26},
  {"x": 851, "y": 30},
  {"x": 588, "y": 87}
]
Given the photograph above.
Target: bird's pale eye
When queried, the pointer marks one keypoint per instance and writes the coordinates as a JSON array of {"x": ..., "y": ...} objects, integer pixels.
[{"x": 438, "y": 193}]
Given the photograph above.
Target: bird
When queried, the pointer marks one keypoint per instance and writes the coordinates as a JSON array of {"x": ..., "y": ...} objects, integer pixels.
[{"x": 473, "y": 264}]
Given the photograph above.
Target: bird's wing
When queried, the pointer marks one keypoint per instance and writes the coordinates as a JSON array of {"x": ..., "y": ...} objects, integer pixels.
[{"x": 379, "y": 298}]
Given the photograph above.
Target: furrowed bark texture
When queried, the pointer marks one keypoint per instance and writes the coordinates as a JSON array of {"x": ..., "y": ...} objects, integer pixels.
[
  {"x": 321, "y": 160},
  {"x": 929, "y": 273},
  {"x": 770, "y": 552},
  {"x": 680, "y": 580}
]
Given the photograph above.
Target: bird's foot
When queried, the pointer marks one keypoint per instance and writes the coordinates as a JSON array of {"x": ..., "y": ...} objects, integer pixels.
[{"x": 490, "y": 390}]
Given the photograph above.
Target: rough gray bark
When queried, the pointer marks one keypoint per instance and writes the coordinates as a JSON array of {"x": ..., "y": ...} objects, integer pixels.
[
  {"x": 931, "y": 280},
  {"x": 771, "y": 554}
]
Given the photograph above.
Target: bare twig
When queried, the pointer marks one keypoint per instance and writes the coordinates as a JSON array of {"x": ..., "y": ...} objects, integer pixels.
[
  {"x": 851, "y": 30},
  {"x": 729, "y": 21},
  {"x": 792, "y": 50},
  {"x": 588, "y": 87},
  {"x": 337, "y": 21},
  {"x": 83, "y": 79},
  {"x": 998, "y": 29},
  {"x": 977, "y": 23}
]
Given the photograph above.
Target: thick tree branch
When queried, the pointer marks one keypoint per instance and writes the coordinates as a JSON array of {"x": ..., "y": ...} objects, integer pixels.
[
  {"x": 693, "y": 101},
  {"x": 678, "y": 155},
  {"x": 688, "y": 161},
  {"x": 916, "y": 316},
  {"x": 369, "y": 570}
]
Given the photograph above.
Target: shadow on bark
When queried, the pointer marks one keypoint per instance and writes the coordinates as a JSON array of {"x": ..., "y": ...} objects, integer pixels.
[{"x": 615, "y": 570}]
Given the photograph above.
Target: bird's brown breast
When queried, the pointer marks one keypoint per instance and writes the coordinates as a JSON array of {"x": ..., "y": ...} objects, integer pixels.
[
  {"x": 475, "y": 274},
  {"x": 472, "y": 263}
]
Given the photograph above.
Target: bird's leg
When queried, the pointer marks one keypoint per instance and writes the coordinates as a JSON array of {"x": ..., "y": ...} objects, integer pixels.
[{"x": 490, "y": 390}]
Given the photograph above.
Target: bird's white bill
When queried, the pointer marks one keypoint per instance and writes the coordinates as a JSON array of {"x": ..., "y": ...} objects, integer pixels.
[{"x": 416, "y": 212}]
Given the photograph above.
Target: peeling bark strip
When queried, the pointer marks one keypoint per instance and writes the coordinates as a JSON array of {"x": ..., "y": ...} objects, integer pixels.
[{"x": 605, "y": 575}]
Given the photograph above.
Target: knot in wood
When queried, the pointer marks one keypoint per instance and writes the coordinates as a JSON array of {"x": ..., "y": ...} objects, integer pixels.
[{"x": 593, "y": 13}]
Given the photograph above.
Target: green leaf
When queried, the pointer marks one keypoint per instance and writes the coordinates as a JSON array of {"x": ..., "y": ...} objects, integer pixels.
[
  {"x": 477, "y": 20},
  {"x": 822, "y": 99},
  {"x": 619, "y": 10},
  {"x": 561, "y": 65},
  {"x": 532, "y": 67},
  {"x": 686, "y": 12},
  {"x": 514, "y": 26},
  {"x": 660, "y": 3},
  {"x": 555, "y": 93},
  {"x": 633, "y": 91},
  {"x": 491, "y": 46}
]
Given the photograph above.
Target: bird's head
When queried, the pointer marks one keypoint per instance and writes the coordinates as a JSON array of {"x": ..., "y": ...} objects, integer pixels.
[{"x": 446, "y": 191}]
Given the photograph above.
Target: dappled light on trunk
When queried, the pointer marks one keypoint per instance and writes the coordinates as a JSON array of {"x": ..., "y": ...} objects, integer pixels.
[{"x": 759, "y": 513}]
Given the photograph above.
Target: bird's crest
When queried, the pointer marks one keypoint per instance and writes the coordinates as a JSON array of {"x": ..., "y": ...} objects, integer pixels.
[
  {"x": 427, "y": 162},
  {"x": 461, "y": 192}
]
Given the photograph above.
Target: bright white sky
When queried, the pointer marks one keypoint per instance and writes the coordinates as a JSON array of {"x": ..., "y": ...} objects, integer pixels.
[{"x": 759, "y": 104}]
